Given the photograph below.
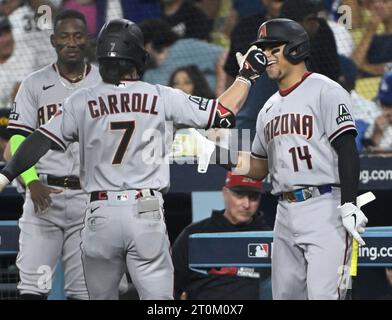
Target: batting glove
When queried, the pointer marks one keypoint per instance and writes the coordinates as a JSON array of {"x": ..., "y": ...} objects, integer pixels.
[
  {"x": 354, "y": 220},
  {"x": 252, "y": 64},
  {"x": 3, "y": 181},
  {"x": 205, "y": 149}
]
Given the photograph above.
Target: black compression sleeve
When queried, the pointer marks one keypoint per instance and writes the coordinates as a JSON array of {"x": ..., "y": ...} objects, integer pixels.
[
  {"x": 27, "y": 155},
  {"x": 348, "y": 165}
]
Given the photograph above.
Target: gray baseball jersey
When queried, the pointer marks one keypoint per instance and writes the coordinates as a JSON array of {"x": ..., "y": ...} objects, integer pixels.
[
  {"x": 123, "y": 149},
  {"x": 295, "y": 132},
  {"x": 121, "y": 132},
  {"x": 40, "y": 96},
  {"x": 58, "y": 230},
  {"x": 295, "y": 129}
]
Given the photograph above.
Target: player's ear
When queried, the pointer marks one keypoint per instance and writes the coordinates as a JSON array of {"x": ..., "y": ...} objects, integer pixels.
[{"x": 52, "y": 40}]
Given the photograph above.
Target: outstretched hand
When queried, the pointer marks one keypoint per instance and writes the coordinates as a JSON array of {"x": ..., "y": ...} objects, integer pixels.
[
  {"x": 252, "y": 64},
  {"x": 40, "y": 195},
  {"x": 3, "y": 181}
]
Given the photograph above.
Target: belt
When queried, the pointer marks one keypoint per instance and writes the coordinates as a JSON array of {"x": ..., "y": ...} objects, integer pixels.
[
  {"x": 103, "y": 195},
  {"x": 70, "y": 182},
  {"x": 304, "y": 193}
]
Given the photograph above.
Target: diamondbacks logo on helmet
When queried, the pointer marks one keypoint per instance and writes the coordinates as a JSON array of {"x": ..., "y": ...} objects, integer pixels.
[
  {"x": 263, "y": 31},
  {"x": 285, "y": 31}
]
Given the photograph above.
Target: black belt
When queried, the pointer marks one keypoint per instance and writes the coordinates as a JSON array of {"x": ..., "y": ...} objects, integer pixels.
[
  {"x": 103, "y": 195},
  {"x": 69, "y": 182}
]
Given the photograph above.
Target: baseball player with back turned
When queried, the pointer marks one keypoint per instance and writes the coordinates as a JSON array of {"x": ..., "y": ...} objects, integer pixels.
[
  {"x": 305, "y": 140},
  {"x": 50, "y": 225},
  {"x": 120, "y": 125}
]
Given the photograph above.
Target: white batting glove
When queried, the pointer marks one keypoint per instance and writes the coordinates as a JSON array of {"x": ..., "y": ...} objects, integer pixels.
[
  {"x": 252, "y": 64},
  {"x": 354, "y": 220},
  {"x": 3, "y": 182},
  {"x": 205, "y": 149}
]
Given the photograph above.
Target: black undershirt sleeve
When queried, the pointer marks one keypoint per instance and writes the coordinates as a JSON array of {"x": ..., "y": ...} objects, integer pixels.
[
  {"x": 348, "y": 166},
  {"x": 29, "y": 152}
]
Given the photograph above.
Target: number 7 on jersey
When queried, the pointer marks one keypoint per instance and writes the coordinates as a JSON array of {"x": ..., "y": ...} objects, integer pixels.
[{"x": 128, "y": 127}]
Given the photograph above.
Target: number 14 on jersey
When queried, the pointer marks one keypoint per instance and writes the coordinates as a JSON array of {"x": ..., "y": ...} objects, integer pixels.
[{"x": 301, "y": 153}]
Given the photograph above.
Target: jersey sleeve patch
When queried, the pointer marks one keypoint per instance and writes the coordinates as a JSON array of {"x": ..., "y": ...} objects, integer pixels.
[
  {"x": 202, "y": 103},
  {"x": 14, "y": 115},
  {"x": 344, "y": 114}
]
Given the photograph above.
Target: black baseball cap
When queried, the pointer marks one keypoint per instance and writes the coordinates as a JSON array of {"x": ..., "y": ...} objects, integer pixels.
[{"x": 4, "y": 21}]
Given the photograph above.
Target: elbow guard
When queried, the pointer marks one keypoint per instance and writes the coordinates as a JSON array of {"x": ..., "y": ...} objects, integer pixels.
[{"x": 224, "y": 118}]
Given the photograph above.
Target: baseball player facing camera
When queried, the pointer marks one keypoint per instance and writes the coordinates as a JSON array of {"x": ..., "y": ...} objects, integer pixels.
[
  {"x": 54, "y": 205},
  {"x": 305, "y": 140},
  {"x": 120, "y": 126}
]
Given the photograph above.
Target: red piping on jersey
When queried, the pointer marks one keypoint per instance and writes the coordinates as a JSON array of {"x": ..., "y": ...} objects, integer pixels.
[
  {"x": 69, "y": 80},
  {"x": 285, "y": 92},
  {"x": 12, "y": 125},
  {"x": 342, "y": 129},
  {"x": 211, "y": 113},
  {"x": 52, "y": 137}
]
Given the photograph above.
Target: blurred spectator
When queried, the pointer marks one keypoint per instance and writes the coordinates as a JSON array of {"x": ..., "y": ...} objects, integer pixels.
[
  {"x": 5, "y": 134},
  {"x": 240, "y": 10},
  {"x": 16, "y": 62},
  {"x": 190, "y": 80},
  {"x": 88, "y": 8},
  {"x": 364, "y": 109},
  {"x": 380, "y": 130},
  {"x": 186, "y": 20},
  {"x": 323, "y": 52},
  {"x": 134, "y": 10},
  {"x": 344, "y": 41},
  {"x": 242, "y": 198},
  {"x": 243, "y": 34},
  {"x": 209, "y": 7},
  {"x": 248, "y": 8},
  {"x": 343, "y": 38},
  {"x": 184, "y": 52},
  {"x": 375, "y": 50},
  {"x": 335, "y": 12},
  {"x": 33, "y": 32},
  {"x": 219, "y": 14},
  {"x": 158, "y": 37}
]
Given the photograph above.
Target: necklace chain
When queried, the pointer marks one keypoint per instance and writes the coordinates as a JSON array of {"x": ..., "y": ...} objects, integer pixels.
[{"x": 70, "y": 85}]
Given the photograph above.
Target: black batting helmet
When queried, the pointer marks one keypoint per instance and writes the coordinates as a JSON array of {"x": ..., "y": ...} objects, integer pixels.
[
  {"x": 122, "y": 39},
  {"x": 285, "y": 31}
]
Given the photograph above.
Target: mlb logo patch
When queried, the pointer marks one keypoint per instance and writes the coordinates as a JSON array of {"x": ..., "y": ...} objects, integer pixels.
[
  {"x": 122, "y": 197},
  {"x": 258, "y": 250}
]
